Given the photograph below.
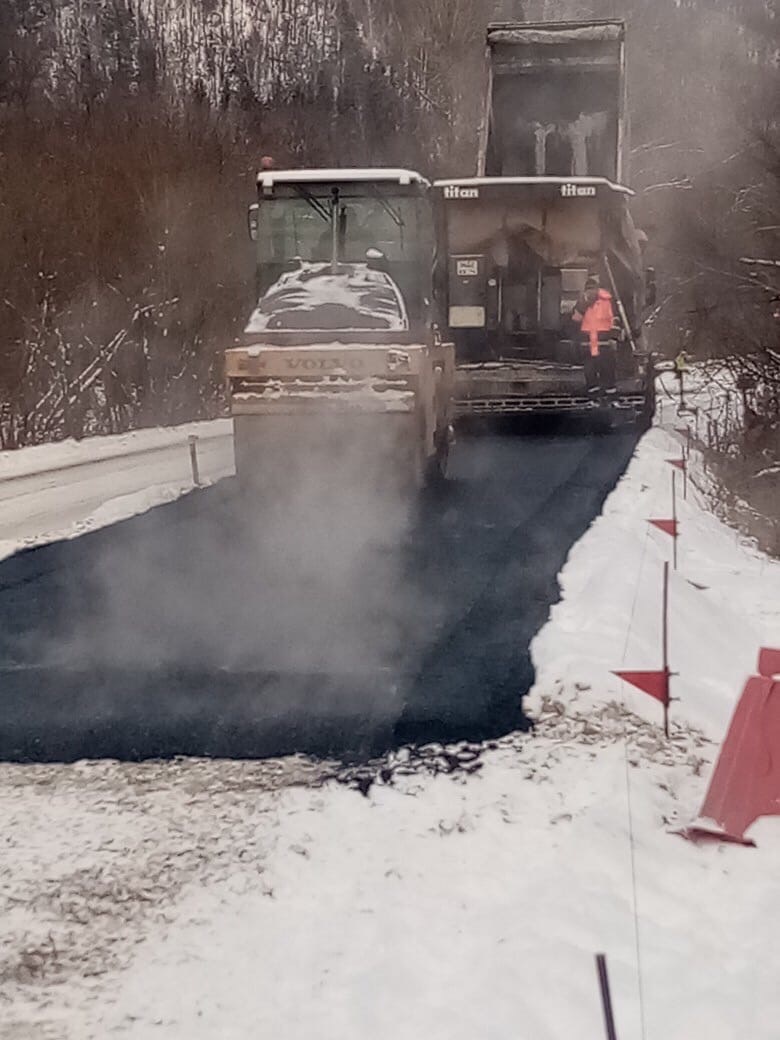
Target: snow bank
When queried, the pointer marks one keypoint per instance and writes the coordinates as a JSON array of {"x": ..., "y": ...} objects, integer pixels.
[
  {"x": 450, "y": 909},
  {"x": 44, "y": 458},
  {"x": 724, "y": 601},
  {"x": 110, "y": 512},
  {"x": 63, "y": 490}
]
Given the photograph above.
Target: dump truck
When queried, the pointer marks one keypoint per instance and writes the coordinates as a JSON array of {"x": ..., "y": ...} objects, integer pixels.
[
  {"x": 341, "y": 361},
  {"x": 545, "y": 222}
]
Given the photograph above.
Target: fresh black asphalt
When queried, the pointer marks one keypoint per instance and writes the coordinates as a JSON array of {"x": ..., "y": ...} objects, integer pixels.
[{"x": 113, "y": 644}]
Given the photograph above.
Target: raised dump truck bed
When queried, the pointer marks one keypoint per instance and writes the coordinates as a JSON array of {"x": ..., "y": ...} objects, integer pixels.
[
  {"x": 544, "y": 231},
  {"x": 555, "y": 102}
]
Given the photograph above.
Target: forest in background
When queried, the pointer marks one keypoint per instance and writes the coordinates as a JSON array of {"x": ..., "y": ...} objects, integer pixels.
[{"x": 130, "y": 131}]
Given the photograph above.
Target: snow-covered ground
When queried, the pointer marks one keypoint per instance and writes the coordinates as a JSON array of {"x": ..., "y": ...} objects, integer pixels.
[
  {"x": 211, "y": 899},
  {"x": 61, "y": 490}
]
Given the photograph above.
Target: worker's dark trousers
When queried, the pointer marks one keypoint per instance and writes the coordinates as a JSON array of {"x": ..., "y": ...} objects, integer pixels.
[{"x": 601, "y": 371}]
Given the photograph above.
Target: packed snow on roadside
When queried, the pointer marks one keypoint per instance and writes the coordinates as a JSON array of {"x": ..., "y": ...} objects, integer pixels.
[
  {"x": 55, "y": 491},
  {"x": 43, "y": 458},
  {"x": 724, "y": 599},
  {"x": 455, "y": 906}
]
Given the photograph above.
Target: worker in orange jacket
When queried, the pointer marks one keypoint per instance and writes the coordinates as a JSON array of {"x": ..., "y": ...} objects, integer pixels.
[{"x": 595, "y": 315}]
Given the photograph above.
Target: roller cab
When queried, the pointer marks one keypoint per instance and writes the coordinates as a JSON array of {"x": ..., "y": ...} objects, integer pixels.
[{"x": 342, "y": 361}]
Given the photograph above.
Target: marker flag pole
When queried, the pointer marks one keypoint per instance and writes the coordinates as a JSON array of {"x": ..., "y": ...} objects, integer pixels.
[
  {"x": 670, "y": 527},
  {"x": 674, "y": 518},
  {"x": 682, "y": 464},
  {"x": 657, "y": 684},
  {"x": 665, "y": 637}
]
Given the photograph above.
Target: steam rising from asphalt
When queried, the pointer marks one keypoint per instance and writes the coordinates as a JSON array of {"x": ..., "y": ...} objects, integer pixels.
[{"x": 307, "y": 576}]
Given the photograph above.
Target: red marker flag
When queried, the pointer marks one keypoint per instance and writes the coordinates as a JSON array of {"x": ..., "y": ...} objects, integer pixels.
[
  {"x": 679, "y": 463},
  {"x": 656, "y": 684},
  {"x": 671, "y": 527}
]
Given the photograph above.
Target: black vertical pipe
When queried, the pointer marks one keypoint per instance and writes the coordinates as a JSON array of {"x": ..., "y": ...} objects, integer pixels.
[{"x": 606, "y": 996}]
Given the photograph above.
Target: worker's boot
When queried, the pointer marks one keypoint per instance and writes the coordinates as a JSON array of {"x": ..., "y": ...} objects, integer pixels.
[{"x": 590, "y": 367}]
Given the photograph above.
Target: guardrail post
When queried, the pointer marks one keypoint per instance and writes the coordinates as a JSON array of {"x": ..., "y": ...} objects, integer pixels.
[{"x": 193, "y": 442}]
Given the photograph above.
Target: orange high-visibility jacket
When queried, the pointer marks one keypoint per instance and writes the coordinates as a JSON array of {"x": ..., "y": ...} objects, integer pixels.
[{"x": 599, "y": 317}]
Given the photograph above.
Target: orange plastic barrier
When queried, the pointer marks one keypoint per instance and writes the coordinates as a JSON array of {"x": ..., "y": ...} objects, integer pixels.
[{"x": 746, "y": 781}]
